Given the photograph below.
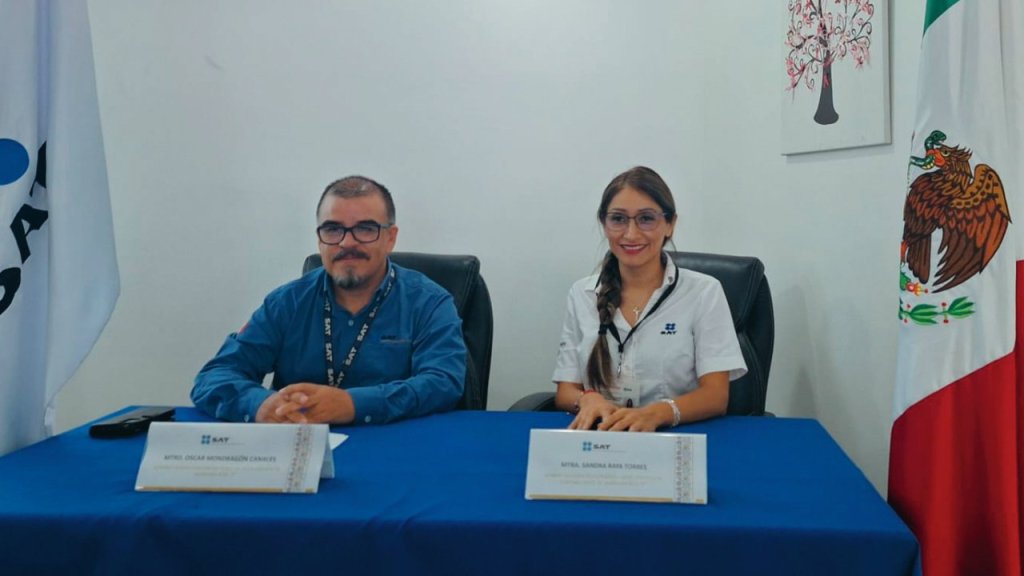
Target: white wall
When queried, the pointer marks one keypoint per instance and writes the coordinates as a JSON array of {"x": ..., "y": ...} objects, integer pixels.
[{"x": 496, "y": 124}]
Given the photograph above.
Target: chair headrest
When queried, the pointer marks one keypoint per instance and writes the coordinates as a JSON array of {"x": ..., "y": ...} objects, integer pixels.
[
  {"x": 455, "y": 273},
  {"x": 740, "y": 276}
]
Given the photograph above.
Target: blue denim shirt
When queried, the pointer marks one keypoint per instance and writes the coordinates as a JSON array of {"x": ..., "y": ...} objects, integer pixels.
[{"x": 412, "y": 361}]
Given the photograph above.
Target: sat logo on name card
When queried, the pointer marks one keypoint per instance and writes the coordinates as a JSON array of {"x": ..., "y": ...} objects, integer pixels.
[{"x": 209, "y": 439}]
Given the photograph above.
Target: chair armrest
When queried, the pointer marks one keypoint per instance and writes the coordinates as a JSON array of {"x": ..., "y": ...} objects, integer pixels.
[{"x": 536, "y": 402}]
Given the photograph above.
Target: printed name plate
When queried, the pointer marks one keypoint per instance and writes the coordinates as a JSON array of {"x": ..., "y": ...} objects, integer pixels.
[
  {"x": 221, "y": 457},
  {"x": 583, "y": 465}
]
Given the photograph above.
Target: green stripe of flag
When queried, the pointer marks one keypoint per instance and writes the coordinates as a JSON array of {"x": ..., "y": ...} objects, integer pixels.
[{"x": 935, "y": 9}]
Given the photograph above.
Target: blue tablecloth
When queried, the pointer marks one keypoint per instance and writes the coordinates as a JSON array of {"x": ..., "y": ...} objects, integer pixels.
[{"x": 444, "y": 495}]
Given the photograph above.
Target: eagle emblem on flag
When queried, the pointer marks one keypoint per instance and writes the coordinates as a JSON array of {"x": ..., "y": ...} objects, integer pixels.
[{"x": 969, "y": 207}]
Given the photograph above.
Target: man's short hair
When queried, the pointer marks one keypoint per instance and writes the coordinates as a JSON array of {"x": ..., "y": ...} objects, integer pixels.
[{"x": 355, "y": 187}]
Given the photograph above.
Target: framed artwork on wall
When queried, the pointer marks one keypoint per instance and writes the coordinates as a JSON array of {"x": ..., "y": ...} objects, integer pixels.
[{"x": 836, "y": 65}]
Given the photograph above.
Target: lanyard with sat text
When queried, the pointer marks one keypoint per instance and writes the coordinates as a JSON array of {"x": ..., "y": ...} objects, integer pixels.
[{"x": 329, "y": 346}]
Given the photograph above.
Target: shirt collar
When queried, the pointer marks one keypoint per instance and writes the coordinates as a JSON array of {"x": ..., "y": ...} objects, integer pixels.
[{"x": 671, "y": 270}]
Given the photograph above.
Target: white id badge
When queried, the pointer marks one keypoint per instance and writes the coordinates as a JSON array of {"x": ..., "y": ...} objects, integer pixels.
[
  {"x": 628, "y": 393},
  {"x": 630, "y": 396}
]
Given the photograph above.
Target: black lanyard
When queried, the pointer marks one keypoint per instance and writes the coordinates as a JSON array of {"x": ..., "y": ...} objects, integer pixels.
[
  {"x": 610, "y": 327},
  {"x": 329, "y": 346}
]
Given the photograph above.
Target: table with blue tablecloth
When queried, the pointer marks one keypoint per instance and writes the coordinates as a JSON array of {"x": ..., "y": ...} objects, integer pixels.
[{"x": 444, "y": 494}]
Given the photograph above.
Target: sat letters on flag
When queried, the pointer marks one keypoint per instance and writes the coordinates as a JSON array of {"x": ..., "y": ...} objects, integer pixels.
[{"x": 58, "y": 269}]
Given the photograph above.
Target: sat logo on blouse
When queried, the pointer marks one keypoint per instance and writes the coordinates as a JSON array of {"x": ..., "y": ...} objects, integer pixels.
[{"x": 670, "y": 328}]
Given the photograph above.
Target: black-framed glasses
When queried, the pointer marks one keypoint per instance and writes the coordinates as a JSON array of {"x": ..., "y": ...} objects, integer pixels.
[
  {"x": 647, "y": 220},
  {"x": 364, "y": 232}
]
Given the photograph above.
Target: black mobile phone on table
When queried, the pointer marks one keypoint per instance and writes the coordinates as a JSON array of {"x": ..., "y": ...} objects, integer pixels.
[{"x": 132, "y": 422}]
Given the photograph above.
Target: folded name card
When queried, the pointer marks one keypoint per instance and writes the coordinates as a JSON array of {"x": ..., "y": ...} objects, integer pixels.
[
  {"x": 222, "y": 457},
  {"x": 638, "y": 467}
]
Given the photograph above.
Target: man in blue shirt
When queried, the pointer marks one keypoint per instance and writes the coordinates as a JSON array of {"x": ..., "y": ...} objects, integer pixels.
[{"x": 360, "y": 340}]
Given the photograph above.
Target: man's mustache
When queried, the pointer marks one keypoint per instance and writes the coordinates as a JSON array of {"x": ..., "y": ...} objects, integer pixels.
[{"x": 350, "y": 252}]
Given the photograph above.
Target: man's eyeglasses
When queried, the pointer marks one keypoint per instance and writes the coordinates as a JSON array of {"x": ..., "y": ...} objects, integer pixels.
[
  {"x": 646, "y": 221},
  {"x": 364, "y": 232}
]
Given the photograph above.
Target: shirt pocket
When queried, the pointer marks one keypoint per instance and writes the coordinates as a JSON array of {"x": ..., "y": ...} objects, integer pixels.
[{"x": 394, "y": 357}]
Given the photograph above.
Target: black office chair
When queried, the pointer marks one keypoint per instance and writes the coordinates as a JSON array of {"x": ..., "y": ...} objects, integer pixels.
[
  {"x": 750, "y": 301},
  {"x": 459, "y": 275}
]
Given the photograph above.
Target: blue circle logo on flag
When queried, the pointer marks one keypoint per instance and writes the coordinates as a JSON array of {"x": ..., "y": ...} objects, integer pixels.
[{"x": 13, "y": 161}]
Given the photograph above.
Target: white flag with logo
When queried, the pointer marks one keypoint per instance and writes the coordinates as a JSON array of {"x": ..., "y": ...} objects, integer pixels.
[{"x": 58, "y": 268}]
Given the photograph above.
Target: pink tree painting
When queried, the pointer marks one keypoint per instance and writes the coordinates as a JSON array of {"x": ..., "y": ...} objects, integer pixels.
[{"x": 820, "y": 34}]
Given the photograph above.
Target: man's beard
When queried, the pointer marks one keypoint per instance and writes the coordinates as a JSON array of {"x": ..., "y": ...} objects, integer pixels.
[{"x": 348, "y": 280}]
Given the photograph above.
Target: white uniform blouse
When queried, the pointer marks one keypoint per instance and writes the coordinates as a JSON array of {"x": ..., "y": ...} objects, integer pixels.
[{"x": 689, "y": 335}]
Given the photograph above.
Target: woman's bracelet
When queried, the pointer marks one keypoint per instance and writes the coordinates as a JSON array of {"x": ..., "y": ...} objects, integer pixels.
[
  {"x": 576, "y": 404},
  {"x": 676, "y": 416}
]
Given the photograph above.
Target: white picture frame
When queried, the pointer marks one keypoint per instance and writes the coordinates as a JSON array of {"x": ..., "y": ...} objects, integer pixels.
[{"x": 852, "y": 109}]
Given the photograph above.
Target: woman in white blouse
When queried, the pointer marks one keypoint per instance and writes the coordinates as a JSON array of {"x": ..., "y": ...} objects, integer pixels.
[{"x": 645, "y": 344}]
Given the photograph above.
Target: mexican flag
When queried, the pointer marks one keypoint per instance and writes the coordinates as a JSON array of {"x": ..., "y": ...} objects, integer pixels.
[
  {"x": 955, "y": 468},
  {"x": 58, "y": 270}
]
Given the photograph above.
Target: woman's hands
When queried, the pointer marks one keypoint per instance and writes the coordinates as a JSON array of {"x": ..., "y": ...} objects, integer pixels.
[
  {"x": 646, "y": 419},
  {"x": 593, "y": 407}
]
